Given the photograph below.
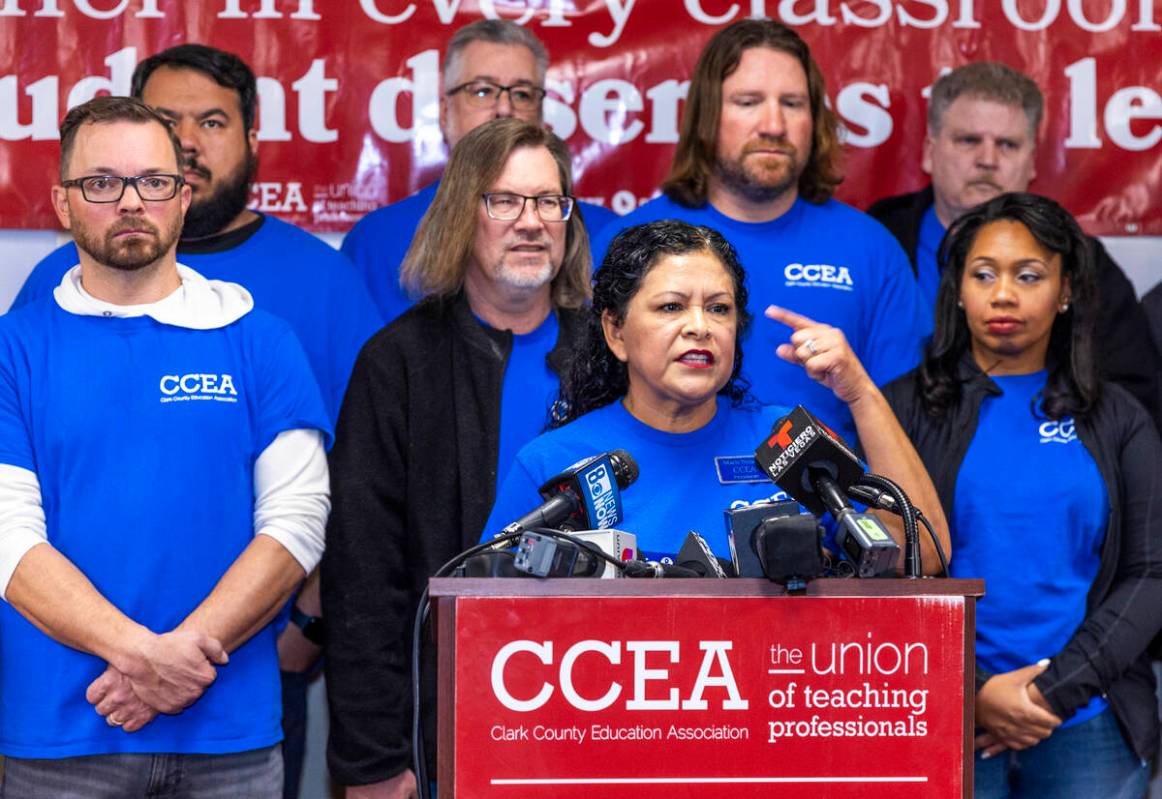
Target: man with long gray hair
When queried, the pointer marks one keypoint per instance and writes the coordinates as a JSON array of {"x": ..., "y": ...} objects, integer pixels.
[{"x": 439, "y": 403}]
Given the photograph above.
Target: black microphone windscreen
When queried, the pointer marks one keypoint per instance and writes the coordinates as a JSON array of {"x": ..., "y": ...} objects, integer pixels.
[{"x": 625, "y": 468}]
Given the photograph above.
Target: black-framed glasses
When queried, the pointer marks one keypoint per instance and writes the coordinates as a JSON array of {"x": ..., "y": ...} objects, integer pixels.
[
  {"x": 506, "y": 206},
  {"x": 486, "y": 94},
  {"x": 110, "y": 188}
]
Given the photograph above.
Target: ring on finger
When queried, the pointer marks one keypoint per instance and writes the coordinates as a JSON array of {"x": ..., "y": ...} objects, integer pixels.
[
  {"x": 112, "y": 722},
  {"x": 810, "y": 345}
]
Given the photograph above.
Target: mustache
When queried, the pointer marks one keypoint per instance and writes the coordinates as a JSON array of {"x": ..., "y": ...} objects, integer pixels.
[
  {"x": 191, "y": 165},
  {"x": 764, "y": 142},
  {"x": 986, "y": 182},
  {"x": 132, "y": 224}
]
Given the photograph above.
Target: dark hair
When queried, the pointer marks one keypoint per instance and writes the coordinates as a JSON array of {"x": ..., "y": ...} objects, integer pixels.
[
  {"x": 106, "y": 110},
  {"x": 986, "y": 80},
  {"x": 225, "y": 69},
  {"x": 597, "y": 378},
  {"x": 697, "y": 151},
  {"x": 1073, "y": 386}
]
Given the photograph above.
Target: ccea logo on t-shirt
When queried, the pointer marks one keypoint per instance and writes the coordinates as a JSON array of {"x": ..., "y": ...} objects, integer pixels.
[
  {"x": 197, "y": 386},
  {"x": 1054, "y": 432},
  {"x": 818, "y": 276}
]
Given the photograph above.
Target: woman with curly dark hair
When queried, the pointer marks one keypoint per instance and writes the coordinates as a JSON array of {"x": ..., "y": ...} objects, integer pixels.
[
  {"x": 1047, "y": 476},
  {"x": 657, "y": 374}
]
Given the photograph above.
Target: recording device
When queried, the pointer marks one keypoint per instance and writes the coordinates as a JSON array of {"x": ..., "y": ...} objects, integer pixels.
[
  {"x": 696, "y": 556},
  {"x": 808, "y": 461},
  {"x": 789, "y": 549},
  {"x": 586, "y": 496},
  {"x": 741, "y": 526},
  {"x": 618, "y": 544},
  {"x": 544, "y": 556}
]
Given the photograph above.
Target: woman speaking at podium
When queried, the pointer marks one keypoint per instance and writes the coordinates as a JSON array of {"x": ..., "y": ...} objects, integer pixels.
[
  {"x": 657, "y": 374},
  {"x": 1049, "y": 480}
]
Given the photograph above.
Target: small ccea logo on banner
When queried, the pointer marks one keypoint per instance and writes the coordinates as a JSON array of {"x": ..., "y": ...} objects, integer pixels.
[
  {"x": 197, "y": 386},
  {"x": 819, "y": 276},
  {"x": 1054, "y": 432}
]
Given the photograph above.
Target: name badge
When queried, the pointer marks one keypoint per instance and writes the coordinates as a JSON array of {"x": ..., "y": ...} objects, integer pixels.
[{"x": 733, "y": 469}]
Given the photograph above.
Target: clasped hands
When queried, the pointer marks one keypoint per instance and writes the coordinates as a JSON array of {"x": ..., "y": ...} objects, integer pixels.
[
  {"x": 158, "y": 674},
  {"x": 1012, "y": 712}
]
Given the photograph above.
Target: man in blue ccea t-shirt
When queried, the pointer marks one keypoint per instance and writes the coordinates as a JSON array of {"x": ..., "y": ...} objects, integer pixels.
[
  {"x": 163, "y": 490},
  {"x": 758, "y": 158},
  {"x": 209, "y": 97},
  {"x": 492, "y": 69}
]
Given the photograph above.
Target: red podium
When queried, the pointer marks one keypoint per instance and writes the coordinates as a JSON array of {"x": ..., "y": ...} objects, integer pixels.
[{"x": 704, "y": 688}]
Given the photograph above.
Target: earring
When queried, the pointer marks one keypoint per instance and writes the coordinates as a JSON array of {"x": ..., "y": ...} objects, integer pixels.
[
  {"x": 960, "y": 304},
  {"x": 1064, "y": 306}
]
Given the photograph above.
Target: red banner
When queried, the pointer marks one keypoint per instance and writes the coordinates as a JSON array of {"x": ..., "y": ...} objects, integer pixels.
[
  {"x": 349, "y": 90},
  {"x": 675, "y": 697}
]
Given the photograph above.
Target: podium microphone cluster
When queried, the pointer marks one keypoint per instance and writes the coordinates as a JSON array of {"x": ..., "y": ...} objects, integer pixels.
[{"x": 808, "y": 461}]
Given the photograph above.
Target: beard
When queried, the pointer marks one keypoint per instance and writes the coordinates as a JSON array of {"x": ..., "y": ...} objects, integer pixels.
[
  {"x": 524, "y": 278},
  {"x": 756, "y": 183},
  {"x": 208, "y": 215},
  {"x": 132, "y": 254}
]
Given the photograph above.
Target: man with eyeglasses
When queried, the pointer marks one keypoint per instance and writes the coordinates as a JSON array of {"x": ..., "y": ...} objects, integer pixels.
[
  {"x": 439, "y": 403},
  {"x": 210, "y": 99},
  {"x": 492, "y": 69},
  {"x": 163, "y": 490}
]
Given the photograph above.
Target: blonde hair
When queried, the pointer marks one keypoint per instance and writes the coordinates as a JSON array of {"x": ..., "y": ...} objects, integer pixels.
[{"x": 437, "y": 260}]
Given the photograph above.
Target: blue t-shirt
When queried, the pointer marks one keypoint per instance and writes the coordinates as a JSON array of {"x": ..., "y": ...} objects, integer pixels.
[
  {"x": 1038, "y": 544},
  {"x": 143, "y": 437},
  {"x": 291, "y": 274},
  {"x": 682, "y": 484},
  {"x": 828, "y": 262},
  {"x": 927, "y": 246},
  {"x": 530, "y": 388},
  {"x": 380, "y": 240}
]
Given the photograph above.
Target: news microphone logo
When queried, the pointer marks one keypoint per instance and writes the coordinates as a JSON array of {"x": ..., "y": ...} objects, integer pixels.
[
  {"x": 600, "y": 495},
  {"x": 799, "y": 443}
]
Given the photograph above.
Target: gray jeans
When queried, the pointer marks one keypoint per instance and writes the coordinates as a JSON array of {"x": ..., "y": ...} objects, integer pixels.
[{"x": 246, "y": 775}]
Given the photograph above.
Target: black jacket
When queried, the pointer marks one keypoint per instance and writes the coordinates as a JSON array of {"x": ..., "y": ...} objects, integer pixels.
[
  {"x": 1126, "y": 351},
  {"x": 1107, "y": 653},
  {"x": 413, "y": 478}
]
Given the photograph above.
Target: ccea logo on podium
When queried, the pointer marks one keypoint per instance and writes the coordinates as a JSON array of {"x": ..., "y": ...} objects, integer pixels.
[
  {"x": 649, "y": 677},
  {"x": 1054, "y": 432},
  {"x": 818, "y": 276}
]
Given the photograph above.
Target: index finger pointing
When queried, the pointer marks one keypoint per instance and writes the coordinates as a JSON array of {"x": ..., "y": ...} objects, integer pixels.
[{"x": 789, "y": 318}]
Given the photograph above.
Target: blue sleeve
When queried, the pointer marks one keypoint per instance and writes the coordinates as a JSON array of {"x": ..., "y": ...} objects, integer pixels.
[
  {"x": 516, "y": 497},
  {"x": 897, "y": 322},
  {"x": 596, "y": 218},
  {"x": 15, "y": 444},
  {"x": 288, "y": 394},
  {"x": 47, "y": 275},
  {"x": 377, "y": 246}
]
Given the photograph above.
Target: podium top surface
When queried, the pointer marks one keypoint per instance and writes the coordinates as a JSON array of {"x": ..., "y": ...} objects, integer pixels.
[{"x": 739, "y": 587}]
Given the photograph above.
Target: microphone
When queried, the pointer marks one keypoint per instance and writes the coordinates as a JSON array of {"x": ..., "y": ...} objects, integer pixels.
[
  {"x": 695, "y": 555},
  {"x": 586, "y": 496},
  {"x": 808, "y": 461},
  {"x": 741, "y": 526}
]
